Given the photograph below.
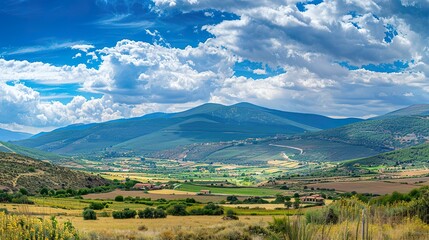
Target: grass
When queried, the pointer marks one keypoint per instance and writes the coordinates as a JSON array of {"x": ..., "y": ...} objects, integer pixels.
[{"x": 247, "y": 191}]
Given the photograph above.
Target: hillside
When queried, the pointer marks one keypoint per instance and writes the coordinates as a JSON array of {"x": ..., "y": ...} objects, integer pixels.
[
  {"x": 413, "y": 110},
  {"x": 6, "y": 135},
  {"x": 379, "y": 134},
  {"x": 160, "y": 131},
  {"x": 31, "y": 152},
  {"x": 17, "y": 171},
  {"x": 416, "y": 155}
]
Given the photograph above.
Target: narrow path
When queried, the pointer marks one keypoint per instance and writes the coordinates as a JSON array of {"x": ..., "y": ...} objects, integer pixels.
[
  {"x": 2, "y": 145},
  {"x": 301, "y": 151},
  {"x": 15, "y": 181}
]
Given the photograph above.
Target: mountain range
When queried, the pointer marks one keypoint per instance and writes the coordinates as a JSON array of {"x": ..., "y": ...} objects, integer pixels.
[
  {"x": 242, "y": 133},
  {"x": 162, "y": 131}
]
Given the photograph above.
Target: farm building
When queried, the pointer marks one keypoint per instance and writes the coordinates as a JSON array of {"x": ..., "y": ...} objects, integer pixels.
[
  {"x": 205, "y": 192},
  {"x": 318, "y": 199}
]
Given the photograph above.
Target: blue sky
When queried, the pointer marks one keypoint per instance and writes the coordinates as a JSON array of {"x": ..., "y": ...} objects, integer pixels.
[{"x": 80, "y": 61}]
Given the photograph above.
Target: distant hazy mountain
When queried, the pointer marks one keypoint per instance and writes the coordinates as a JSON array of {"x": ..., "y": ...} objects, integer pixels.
[
  {"x": 6, "y": 135},
  {"x": 160, "y": 131}
]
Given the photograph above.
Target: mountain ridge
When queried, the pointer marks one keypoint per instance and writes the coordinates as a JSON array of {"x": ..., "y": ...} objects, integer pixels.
[{"x": 205, "y": 123}]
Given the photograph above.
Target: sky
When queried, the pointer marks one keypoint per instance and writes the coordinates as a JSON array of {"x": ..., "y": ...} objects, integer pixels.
[{"x": 81, "y": 61}]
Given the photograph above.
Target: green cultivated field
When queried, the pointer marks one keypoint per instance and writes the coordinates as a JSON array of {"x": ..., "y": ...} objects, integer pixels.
[{"x": 247, "y": 191}]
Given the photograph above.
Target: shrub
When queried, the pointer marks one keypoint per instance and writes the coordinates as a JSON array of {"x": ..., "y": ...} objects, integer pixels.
[
  {"x": 209, "y": 209},
  {"x": 119, "y": 198},
  {"x": 126, "y": 213},
  {"x": 177, "y": 210},
  {"x": 23, "y": 191},
  {"x": 152, "y": 213},
  {"x": 147, "y": 213},
  {"x": 97, "y": 205},
  {"x": 89, "y": 214},
  {"x": 255, "y": 200},
  {"x": 231, "y": 215},
  {"x": 159, "y": 213},
  {"x": 190, "y": 200},
  {"x": 232, "y": 199},
  {"x": 142, "y": 228},
  {"x": 4, "y": 210}
]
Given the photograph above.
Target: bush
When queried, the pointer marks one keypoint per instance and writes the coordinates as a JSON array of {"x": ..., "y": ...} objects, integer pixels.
[
  {"x": 159, "y": 213},
  {"x": 255, "y": 200},
  {"x": 119, "y": 198},
  {"x": 177, "y": 210},
  {"x": 4, "y": 210},
  {"x": 124, "y": 214},
  {"x": 89, "y": 214},
  {"x": 231, "y": 215},
  {"x": 190, "y": 200},
  {"x": 152, "y": 213},
  {"x": 97, "y": 205},
  {"x": 142, "y": 228},
  {"x": 147, "y": 213},
  {"x": 209, "y": 209},
  {"x": 232, "y": 199}
]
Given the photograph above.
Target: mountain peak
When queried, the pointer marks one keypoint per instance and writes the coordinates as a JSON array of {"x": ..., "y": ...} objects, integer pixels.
[{"x": 246, "y": 105}]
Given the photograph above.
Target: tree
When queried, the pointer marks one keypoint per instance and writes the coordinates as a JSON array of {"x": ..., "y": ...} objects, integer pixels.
[
  {"x": 296, "y": 203},
  {"x": 89, "y": 214},
  {"x": 119, "y": 198},
  {"x": 44, "y": 191},
  {"x": 23, "y": 191},
  {"x": 288, "y": 204},
  {"x": 279, "y": 199},
  {"x": 232, "y": 199}
]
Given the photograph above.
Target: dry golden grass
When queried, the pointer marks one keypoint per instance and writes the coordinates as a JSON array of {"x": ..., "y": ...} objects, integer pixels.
[
  {"x": 413, "y": 172},
  {"x": 171, "y": 192},
  {"x": 25, "y": 209},
  {"x": 284, "y": 163},
  {"x": 111, "y": 228}
]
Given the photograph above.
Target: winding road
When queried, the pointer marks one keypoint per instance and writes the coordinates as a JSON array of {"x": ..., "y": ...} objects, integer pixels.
[{"x": 301, "y": 151}]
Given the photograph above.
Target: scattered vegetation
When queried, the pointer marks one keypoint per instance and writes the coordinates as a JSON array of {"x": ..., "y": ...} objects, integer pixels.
[{"x": 23, "y": 227}]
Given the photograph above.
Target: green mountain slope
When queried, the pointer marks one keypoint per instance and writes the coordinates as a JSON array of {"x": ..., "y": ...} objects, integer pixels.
[
  {"x": 31, "y": 152},
  {"x": 17, "y": 172},
  {"x": 380, "y": 134},
  {"x": 407, "y": 157},
  {"x": 159, "y": 131},
  {"x": 413, "y": 110}
]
